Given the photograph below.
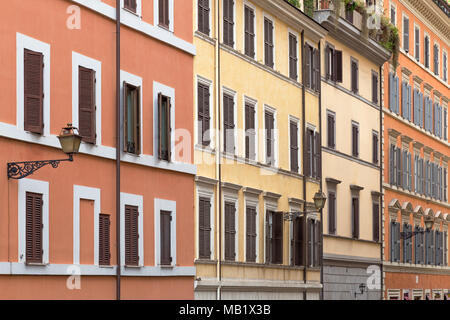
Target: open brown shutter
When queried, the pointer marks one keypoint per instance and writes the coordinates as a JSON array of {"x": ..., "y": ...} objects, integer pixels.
[
  {"x": 33, "y": 91},
  {"x": 332, "y": 213},
  {"x": 355, "y": 207},
  {"x": 131, "y": 236},
  {"x": 317, "y": 70},
  {"x": 268, "y": 239},
  {"x": 307, "y": 65},
  {"x": 278, "y": 237},
  {"x": 166, "y": 218},
  {"x": 338, "y": 63},
  {"x": 86, "y": 106},
  {"x": 307, "y": 161},
  {"x": 104, "y": 240},
  {"x": 318, "y": 151},
  {"x": 160, "y": 110},
  {"x": 34, "y": 249},
  {"x": 125, "y": 116}
]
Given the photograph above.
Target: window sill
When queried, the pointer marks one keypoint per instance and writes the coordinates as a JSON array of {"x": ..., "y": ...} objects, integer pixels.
[
  {"x": 132, "y": 12},
  {"x": 36, "y": 264},
  {"x": 166, "y": 266},
  {"x": 106, "y": 266},
  {"x": 132, "y": 267}
]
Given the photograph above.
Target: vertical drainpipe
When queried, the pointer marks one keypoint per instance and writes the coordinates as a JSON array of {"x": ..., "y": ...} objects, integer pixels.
[
  {"x": 118, "y": 148},
  {"x": 320, "y": 173},
  {"x": 381, "y": 137},
  {"x": 218, "y": 154},
  {"x": 303, "y": 162}
]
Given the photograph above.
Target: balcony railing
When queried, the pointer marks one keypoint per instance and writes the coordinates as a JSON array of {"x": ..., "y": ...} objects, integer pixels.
[
  {"x": 353, "y": 17},
  {"x": 444, "y": 6}
]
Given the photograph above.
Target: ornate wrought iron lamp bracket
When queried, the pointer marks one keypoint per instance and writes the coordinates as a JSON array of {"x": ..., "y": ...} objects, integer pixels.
[{"x": 20, "y": 170}]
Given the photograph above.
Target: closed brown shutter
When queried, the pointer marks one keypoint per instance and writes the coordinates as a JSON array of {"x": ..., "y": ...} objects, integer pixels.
[
  {"x": 316, "y": 74},
  {"x": 329, "y": 65},
  {"x": 130, "y": 5},
  {"x": 375, "y": 148},
  {"x": 307, "y": 66},
  {"x": 204, "y": 228},
  {"x": 228, "y": 22},
  {"x": 317, "y": 261},
  {"x": 294, "y": 146},
  {"x": 332, "y": 213},
  {"x": 203, "y": 114},
  {"x": 33, "y": 91},
  {"x": 203, "y": 16},
  {"x": 249, "y": 32},
  {"x": 165, "y": 221},
  {"x": 355, "y": 215},
  {"x": 164, "y": 127},
  {"x": 355, "y": 132},
  {"x": 374, "y": 88},
  {"x": 268, "y": 42},
  {"x": 277, "y": 240},
  {"x": 86, "y": 106},
  {"x": 317, "y": 155},
  {"x": 34, "y": 226},
  {"x": 250, "y": 134},
  {"x": 131, "y": 236},
  {"x": 376, "y": 222},
  {"x": 269, "y": 236},
  {"x": 228, "y": 118},
  {"x": 354, "y": 76},
  {"x": 293, "y": 56},
  {"x": 250, "y": 242},
  {"x": 230, "y": 231},
  {"x": 330, "y": 131},
  {"x": 309, "y": 153},
  {"x": 298, "y": 234},
  {"x": 104, "y": 258},
  {"x": 338, "y": 65},
  {"x": 131, "y": 117},
  {"x": 163, "y": 13}
]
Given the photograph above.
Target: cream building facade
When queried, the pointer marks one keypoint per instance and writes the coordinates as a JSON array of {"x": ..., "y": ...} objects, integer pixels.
[{"x": 254, "y": 84}]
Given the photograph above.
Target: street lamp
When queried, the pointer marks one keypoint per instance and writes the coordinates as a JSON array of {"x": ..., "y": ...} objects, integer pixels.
[
  {"x": 428, "y": 225},
  {"x": 70, "y": 143},
  {"x": 319, "y": 203},
  {"x": 319, "y": 200}
]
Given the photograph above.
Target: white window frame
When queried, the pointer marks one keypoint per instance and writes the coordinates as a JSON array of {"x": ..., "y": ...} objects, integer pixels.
[
  {"x": 209, "y": 83},
  {"x": 269, "y": 17},
  {"x": 333, "y": 114},
  {"x": 137, "y": 82},
  {"x": 232, "y": 93},
  {"x": 439, "y": 60},
  {"x": 233, "y": 197},
  {"x": 355, "y": 123},
  {"x": 251, "y": 201},
  {"x": 25, "y": 42},
  {"x": 444, "y": 54},
  {"x": 275, "y": 135},
  {"x": 404, "y": 15},
  {"x": 393, "y": 5},
  {"x": 292, "y": 118},
  {"x": 417, "y": 27},
  {"x": 393, "y": 293},
  {"x": 35, "y": 186},
  {"x": 255, "y": 39},
  {"x": 205, "y": 192},
  {"x": 271, "y": 205},
  {"x": 79, "y": 60},
  {"x": 168, "y": 92},
  {"x": 294, "y": 33},
  {"x": 85, "y": 193},
  {"x": 426, "y": 35},
  {"x": 196, "y": 20},
  {"x": 156, "y": 15},
  {"x": 234, "y": 21},
  {"x": 129, "y": 13},
  {"x": 138, "y": 201},
  {"x": 171, "y": 206},
  {"x": 254, "y": 102}
]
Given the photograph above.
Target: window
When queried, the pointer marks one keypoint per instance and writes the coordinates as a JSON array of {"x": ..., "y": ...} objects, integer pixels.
[
  {"x": 313, "y": 154},
  {"x": 393, "y": 15},
  {"x": 131, "y": 236},
  {"x": 407, "y": 244},
  {"x": 104, "y": 256},
  {"x": 445, "y": 184},
  {"x": 355, "y": 217},
  {"x": 311, "y": 68},
  {"x": 293, "y": 56},
  {"x": 250, "y": 234},
  {"x": 34, "y": 226},
  {"x": 417, "y": 43},
  {"x": 274, "y": 237},
  {"x": 430, "y": 247},
  {"x": 406, "y": 33},
  {"x": 314, "y": 242},
  {"x": 333, "y": 64},
  {"x": 374, "y": 87},
  {"x": 228, "y": 22},
  {"x": 203, "y": 116},
  {"x": 438, "y": 120},
  {"x": 249, "y": 32},
  {"x": 406, "y": 101},
  {"x": 250, "y": 131},
  {"x": 418, "y": 245},
  {"x": 163, "y": 11},
  {"x": 228, "y": 123},
  {"x": 270, "y": 137},
  {"x": 395, "y": 165},
  {"x": 439, "y": 250},
  {"x": 268, "y": 43},
  {"x": 130, "y": 5},
  {"x": 33, "y": 91},
  {"x": 332, "y": 213},
  {"x": 355, "y": 80},
  {"x": 394, "y": 93},
  {"x": 230, "y": 231},
  {"x": 203, "y": 16},
  {"x": 331, "y": 130},
  {"x": 444, "y": 66},
  {"x": 426, "y": 54},
  {"x": 428, "y": 114},
  {"x": 436, "y": 59},
  {"x": 355, "y": 139},
  {"x": 298, "y": 227},
  {"x": 204, "y": 226},
  {"x": 376, "y": 221},
  {"x": 375, "y": 142},
  {"x": 395, "y": 241},
  {"x": 407, "y": 175},
  {"x": 86, "y": 104},
  {"x": 164, "y": 127},
  {"x": 418, "y": 108},
  {"x": 131, "y": 118},
  {"x": 165, "y": 233},
  {"x": 294, "y": 149},
  {"x": 445, "y": 124}
]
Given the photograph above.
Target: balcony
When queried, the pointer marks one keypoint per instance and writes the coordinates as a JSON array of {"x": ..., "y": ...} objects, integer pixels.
[
  {"x": 352, "y": 16},
  {"x": 443, "y": 5}
]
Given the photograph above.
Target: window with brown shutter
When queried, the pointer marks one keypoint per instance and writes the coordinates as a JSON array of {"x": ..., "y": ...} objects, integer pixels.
[
  {"x": 249, "y": 25},
  {"x": 309, "y": 160},
  {"x": 164, "y": 127},
  {"x": 354, "y": 74},
  {"x": 203, "y": 117},
  {"x": 297, "y": 249},
  {"x": 131, "y": 236},
  {"x": 33, "y": 91},
  {"x": 203, "y": 16},
  {"x": 270, "y": 138},
  {"x": 204, "y": 234},
  {"x": 316, "y": 70},
  {"x": 250, "y": 132},
  {"x": 307, "y": 65},
  {"x": 294, "y": 146},
  {"x": 34, "y": 226},
  {"x": 228, "y": 124},
  {"x": 355, "y": 218},
  {"x": 104, "y": 255},
  {"x": 376, "y": 221},
  {"x": 131, "y": 116},
  {"x": 274, "y": 237},
  {"x": 130, "y": 5},
  {"x": 165, "y": 234},
  {"x": 317, "y": 171},
  {"x": 268, "y": 43},
  {"x": 331, "y": 128},
  {"x": 374, "y": 87},
  {"x": 230, "y": 231},
  {"x": 293, "y": 57},
  {"x": 228, "y": 22},
  {"x": 250, "y": 241},
  {"x": 332, "y": 213},
  {"x": 375, "y": 148},
  {"x": 163, "y": 8},
  {"x": 355, "y": 140},
  {"x": 86, "y": 104},
  {"x": 316, "y": 238},
  {"x": 338, "y": 65}
]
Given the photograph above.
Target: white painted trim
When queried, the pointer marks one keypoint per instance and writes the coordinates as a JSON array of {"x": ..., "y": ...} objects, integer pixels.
[
  {"x": 85, "y": 193},
  {"x": 24, "y": 42},
  {"x": 298, "y": 50},
  {"x": 89, "y": 63},
  {"x": 168, "y": 92},
  {"x": 254, "y": 102},
  {"x": 205, "y": 192},
  {"x": 138, "y": 201},
  {"x": 132, "y": 21},
  {"x": 251, "y": 201},
  {"x": 156, "y": 15},
  {"x": 269, "y": 17},
  {"x": 234, "y": 198},
  {"x": 208, "y": 83},
  {"x": 35, "y": 186},
  {"x": 255, "y": 39},
  {"x": 171, "y": 206}
]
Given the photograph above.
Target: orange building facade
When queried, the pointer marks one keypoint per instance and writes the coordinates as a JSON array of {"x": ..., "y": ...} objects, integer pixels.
[
  {"x": 416, "y": 153},
  {"x": 58, "y": 236}
]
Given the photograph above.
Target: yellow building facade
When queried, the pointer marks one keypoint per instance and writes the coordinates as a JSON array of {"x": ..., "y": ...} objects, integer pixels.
[{"x": 263, "y": 162}]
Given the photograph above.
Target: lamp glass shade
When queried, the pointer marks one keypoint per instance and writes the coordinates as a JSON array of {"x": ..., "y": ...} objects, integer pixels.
[
  {"x": 319, "y": 200},
  {"x": 428, "y": 223},
  {"x": 69, "y": 140}
]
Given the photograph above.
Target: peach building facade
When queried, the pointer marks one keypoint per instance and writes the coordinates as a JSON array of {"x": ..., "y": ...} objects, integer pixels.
[{"x": 58, "y": 236}]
